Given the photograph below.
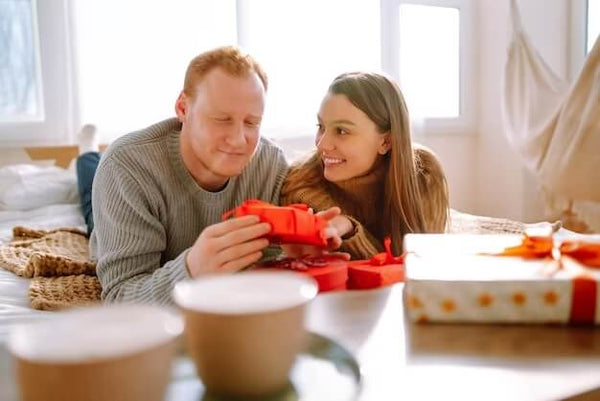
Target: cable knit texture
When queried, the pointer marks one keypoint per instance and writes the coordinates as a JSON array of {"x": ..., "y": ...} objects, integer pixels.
[{"x": 148, "y": 210}]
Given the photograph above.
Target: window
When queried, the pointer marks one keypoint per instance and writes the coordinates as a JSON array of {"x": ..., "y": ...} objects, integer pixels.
[
  {"x": 109, "y": 64},
  {"x": 429, "y": 65},
  {"x": 593, "y": 22},
  {"x": 33, "y": 46},
  {"x": 425, "y": 49},
  {"x": 20, "y": 83},
  {"x": 304, "y": 51},
  {"x": 584, "y": 31},
  {"x": 131, "y": 64}
]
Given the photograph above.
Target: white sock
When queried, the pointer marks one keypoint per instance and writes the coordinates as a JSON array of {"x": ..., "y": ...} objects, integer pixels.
[{"x": 88, "y": 139}]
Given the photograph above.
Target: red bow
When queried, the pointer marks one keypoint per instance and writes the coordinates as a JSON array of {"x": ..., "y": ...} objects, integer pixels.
[
  {"x": 583, "y": 303},
  {"x": 387, "y": 257},
  {"x": 585, "y": 253}
]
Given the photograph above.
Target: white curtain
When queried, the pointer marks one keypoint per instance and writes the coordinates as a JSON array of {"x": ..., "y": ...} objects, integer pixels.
[{"x": 554, "y": 125}]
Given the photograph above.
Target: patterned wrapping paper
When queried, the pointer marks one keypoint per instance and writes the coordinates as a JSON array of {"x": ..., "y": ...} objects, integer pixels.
[{"x": 453, "y": 278}]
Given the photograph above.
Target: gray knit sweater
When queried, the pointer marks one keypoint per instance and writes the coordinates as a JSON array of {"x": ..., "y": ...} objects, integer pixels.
[{"x": 148, "y": 210}]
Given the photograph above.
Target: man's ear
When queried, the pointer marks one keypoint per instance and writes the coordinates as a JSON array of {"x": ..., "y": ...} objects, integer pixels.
[
  {"x": 386, "y": 144},
  {"x": 181, "y": 106}
]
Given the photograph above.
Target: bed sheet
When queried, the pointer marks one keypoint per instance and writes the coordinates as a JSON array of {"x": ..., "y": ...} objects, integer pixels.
[{"x": 14, "y": 302}]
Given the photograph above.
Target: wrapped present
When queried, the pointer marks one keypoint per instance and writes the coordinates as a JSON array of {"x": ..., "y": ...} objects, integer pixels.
[
  {"x": 501, "y": 279},
  {"x": 330, "y": 271},
  {"x": 381, "y": 270},
  {"x": 292, "y": 224}
]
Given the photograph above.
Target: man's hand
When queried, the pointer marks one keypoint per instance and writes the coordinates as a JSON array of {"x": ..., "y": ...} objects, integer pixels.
[
  {"x": 228, "y": 246},
  {"x": 337, "y": 226}
]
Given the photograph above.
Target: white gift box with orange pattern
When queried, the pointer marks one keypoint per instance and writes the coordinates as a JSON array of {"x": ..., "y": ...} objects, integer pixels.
[{"x": 448, "y": 279}]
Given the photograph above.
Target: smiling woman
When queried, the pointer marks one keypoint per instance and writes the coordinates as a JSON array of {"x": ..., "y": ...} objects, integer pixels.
[{"x": 367, "y": 165}]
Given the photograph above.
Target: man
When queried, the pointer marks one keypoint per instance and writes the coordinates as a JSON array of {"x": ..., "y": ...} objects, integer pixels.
[{"x": 159, "y": 193}]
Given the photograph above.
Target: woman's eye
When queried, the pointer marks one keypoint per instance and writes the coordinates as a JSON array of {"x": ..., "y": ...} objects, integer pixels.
[{"x": 341, "y": 131}]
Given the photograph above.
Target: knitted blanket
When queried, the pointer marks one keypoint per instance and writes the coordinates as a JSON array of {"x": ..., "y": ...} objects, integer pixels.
[{"x": 58, "y": 263}]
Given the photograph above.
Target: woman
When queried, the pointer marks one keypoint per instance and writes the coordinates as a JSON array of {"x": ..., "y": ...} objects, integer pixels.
[{"x": 366, "y": 164}]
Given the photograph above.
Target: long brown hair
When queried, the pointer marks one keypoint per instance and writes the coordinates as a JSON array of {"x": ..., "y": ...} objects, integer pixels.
[
  {"x": 433, "y": 188},
  {"x": 380, "y": 99}
]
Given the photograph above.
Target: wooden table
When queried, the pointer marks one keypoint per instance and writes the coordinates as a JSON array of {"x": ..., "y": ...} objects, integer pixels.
[{"x": 405, "y": 361}]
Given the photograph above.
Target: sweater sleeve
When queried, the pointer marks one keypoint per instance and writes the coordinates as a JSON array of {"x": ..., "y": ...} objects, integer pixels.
[
  {"x": 279, "y": 167},
  {"x": 361, "y": 244},
  {"x": 128, "y": 240}
]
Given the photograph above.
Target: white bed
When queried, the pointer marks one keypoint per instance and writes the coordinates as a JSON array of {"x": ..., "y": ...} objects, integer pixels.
[{"x": 34, "y": 196}]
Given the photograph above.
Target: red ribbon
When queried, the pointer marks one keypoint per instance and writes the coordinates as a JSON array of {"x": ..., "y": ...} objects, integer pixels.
[
  {"x": 387, "y": 257},
  {"x": 586, "y": 253},
  {"x": 585, "y": 287}
]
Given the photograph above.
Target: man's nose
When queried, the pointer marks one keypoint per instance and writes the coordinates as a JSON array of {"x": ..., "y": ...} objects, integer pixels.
[{"x": 237, "y": 135}]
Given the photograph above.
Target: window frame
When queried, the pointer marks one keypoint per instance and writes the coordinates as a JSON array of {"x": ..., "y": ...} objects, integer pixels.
[
  {"x": 57, "y": 118},
  {"x": 390, "y": 62},
  {"x": 578, "y": 36},
  {"x": 578, "y": 28}
]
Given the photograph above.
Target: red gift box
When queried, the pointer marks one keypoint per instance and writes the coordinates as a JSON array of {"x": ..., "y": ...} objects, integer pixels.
[
  {"x": 330, "y": 271},
  {"x": 381, "y": 270},
  {"x": 292, "y": 224}
]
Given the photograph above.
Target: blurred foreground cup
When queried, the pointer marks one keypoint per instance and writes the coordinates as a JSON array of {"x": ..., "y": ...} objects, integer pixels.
[
  {"x": 120, "y": 352},
  {"x": 244, "y": 330}
]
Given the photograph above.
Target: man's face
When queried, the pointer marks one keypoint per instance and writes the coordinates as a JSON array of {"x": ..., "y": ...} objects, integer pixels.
[{"x": 221, "y": 123}]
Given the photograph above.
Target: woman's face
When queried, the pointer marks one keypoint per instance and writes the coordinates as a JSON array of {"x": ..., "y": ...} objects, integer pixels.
[{"x": 347, "y": 140}]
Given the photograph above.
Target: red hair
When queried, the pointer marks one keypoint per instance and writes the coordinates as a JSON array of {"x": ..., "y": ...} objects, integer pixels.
[{"x": 229, "y": 58}]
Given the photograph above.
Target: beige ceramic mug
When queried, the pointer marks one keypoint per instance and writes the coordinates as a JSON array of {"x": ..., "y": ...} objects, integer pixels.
[
  {"x": 104, "y": 353},
  {"x": 243, "y": 331}
]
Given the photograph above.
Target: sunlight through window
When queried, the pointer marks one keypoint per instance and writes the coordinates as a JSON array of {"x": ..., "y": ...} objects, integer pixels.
[
  {"x": 429, "y": 60},
  {"x": 20, "y": 86},
  {"x": 303, "y": 54}
]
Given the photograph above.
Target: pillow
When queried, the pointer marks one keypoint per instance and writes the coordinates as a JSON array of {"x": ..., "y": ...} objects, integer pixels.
[{"x": 27, "y": 186}]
